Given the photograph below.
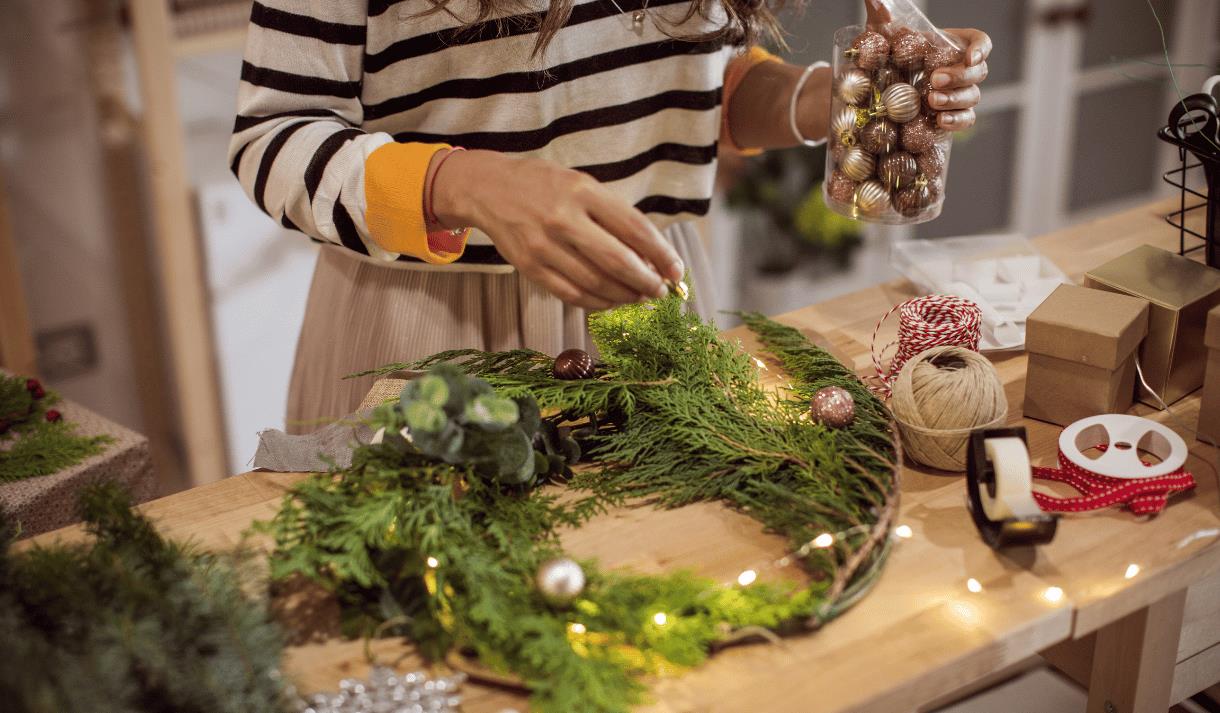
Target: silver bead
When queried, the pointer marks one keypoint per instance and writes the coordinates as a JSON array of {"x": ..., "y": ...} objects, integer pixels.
[
  {"x": 843, "y": 126},
  {"x": 853, "y": 87},
  {"x": 858, "y": 164},
  {"x": 560, "y": 581},
  {"x": 900, "y": 102},
  {"x": 872, "y": 198}
]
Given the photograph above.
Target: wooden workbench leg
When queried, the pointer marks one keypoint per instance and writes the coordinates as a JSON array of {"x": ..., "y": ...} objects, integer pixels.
[{"x": 1134, "y": 658}]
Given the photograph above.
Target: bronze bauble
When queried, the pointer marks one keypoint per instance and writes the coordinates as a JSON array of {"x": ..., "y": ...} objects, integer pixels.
[
  {"x": 941, "y": 55},
  {"x": 840, "y": 188},
  {"x": 919, "y": 136},
  {"x": 879, "y": 136},
  {"x": 853, "y": 87},
  {"x": 897, "y": 170},
  {"x": 885, "y": 76},
  {"x": 869, "y": 50},
  {"x": 907, "y": 48},
  {"x": 899, "y": 103},
  {"x": 573, "y": 364},
  {"x": 912, "y": 200},
  {"x": 931, "y": 162},
  {"x": 833, "y": 406},
  {"x": 858, "y": 164}
]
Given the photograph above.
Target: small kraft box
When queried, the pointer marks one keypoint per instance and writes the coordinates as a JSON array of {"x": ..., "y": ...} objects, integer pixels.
[
  {"x": 1180, "y": 291},
  {"x": 1209, "y": 414},
  {"x": 1082, "y": 346}
]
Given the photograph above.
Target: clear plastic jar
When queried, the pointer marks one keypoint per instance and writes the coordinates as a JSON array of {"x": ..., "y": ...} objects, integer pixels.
[{"x": 886, "y": 159}]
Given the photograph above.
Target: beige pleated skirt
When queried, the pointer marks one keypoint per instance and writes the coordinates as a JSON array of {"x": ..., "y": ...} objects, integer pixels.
[{"x": 361, "y": 315}]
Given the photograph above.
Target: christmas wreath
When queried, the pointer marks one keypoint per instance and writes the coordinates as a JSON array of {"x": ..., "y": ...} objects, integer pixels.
[{"x": 439, "y": 531}]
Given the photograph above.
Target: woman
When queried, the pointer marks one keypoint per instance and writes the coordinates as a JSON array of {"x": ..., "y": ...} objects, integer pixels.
[{"x": 590, "y": 132}]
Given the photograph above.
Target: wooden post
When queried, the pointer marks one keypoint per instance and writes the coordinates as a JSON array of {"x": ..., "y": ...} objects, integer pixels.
[
  {"x": 1134, "y": 659},
  {"x": 17, "y": 353},
  {"x": 178, "y": 251}
]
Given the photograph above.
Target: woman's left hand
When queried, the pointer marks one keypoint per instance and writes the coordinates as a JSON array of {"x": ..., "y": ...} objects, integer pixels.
[{"x": 955, "y": 90}]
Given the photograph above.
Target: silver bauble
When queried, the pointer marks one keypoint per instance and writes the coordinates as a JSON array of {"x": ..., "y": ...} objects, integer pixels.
[
  {"x": 560, "y": 581},
  {"x": 843, "y": 126},
  {"x": 872, "y": 199},
  {"x": 858, "y": 164},
  {"x": 900, "y": 103},
  {"x": 853, "y": 87}
]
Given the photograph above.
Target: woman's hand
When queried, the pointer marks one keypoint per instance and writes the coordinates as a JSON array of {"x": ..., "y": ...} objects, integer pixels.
[
  {"x": 955, "y": 90},
  {"x": 558, "y": 227}
]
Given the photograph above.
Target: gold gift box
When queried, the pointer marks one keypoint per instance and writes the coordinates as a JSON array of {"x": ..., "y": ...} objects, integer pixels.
[
  {"x": 1181, "y": 291},
  {"x": 1209, "y": 414}
]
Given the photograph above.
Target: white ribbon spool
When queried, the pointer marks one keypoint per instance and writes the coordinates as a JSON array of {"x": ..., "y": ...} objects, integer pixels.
[
  {"x": 1014, "y": 478},
  {"x": 1125, "y": 436}
]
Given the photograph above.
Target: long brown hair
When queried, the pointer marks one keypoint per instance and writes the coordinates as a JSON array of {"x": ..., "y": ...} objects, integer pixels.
[{"x": 745, "y": 21}]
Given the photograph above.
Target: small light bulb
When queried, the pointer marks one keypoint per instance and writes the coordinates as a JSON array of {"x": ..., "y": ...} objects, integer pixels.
[
  {"x": 577, "y": 628},
  {"x": 747, "y": 577},
  {"x": 903, "y": 531},
  {"x": 1133, "y": 571},
  {"x": 433, "y": 563},
  {"x": 824, "y": 540},
  {"x": 660, "y": 619},
  {"x": 1053, "y": 594},
  {"x": 974, "y": 585}
]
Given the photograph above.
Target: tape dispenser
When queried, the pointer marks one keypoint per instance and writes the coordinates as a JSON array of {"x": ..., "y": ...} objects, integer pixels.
[{"x": 999, "y": 482}]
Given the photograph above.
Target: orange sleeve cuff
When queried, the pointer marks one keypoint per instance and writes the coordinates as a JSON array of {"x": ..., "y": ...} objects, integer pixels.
[
  {"x": 736, "y": 71},
  {"x": 394, "y": 177}
]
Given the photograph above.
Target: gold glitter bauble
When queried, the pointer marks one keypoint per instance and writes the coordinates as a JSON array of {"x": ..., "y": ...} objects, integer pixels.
[
  {"x": 939, "y": 56},
  {"x": 897, "y": 170},
  {"x": 919, "y": 136},
  {"x": 879, "y": 136},
  {"x": 931, "y": 162},
  {"x": 854, "y": 87},
  {"x": 844, "y": 124},
  {"x": 858, "y": 164},
  {"x": 871, "y": 198},
  {"x": 840, "y": 188},
  {"x": 899, "y": 103},
  {"x": 907, "y": 48},
  {"x": 869, "y": 50}
]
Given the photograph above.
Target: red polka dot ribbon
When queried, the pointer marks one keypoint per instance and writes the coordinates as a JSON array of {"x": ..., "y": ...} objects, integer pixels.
[
  {"x": 923, "y": 323},
  {"x": 1143, "y": 496}
]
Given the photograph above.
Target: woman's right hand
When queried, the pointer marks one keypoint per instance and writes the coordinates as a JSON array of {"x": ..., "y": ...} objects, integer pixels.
[{"x": 559, "y": 227}]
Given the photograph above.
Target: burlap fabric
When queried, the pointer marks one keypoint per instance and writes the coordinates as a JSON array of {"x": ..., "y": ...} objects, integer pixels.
[
  {"x": 49, "y": 501},
  {"x": 383, "y": 390}
]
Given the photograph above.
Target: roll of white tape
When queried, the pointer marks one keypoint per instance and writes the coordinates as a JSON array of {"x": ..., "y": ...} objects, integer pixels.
[
  {"x": 1014, "y": 490},
  {"x": 1124, "y": 436}
]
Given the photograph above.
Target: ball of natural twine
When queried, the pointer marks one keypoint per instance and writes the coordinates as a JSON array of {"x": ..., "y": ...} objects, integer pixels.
[{"x": 939, "y": 397}]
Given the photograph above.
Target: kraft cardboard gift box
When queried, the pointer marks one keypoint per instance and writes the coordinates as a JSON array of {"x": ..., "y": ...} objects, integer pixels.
[
  {"x": 1209, "y": 414},
  {"x": 1180, "y": 291},
  {"x": 1082, "y": 345}
]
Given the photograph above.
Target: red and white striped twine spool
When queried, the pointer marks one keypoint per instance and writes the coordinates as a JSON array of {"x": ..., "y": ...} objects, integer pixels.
[{"x": 923, "y": 323}]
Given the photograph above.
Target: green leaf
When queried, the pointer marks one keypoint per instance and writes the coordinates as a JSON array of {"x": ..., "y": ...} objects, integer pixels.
[
  {"x": 491, "y": 412},
  {"x": 423, "y": 417}
]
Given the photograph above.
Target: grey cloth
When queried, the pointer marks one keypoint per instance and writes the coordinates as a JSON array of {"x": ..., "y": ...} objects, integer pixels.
[{"x": 317, "y": 452}]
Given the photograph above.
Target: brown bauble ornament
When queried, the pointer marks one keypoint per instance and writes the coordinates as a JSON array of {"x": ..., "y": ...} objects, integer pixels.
[
  {"x": 858, "y": 164},
  {"x": 912, "y": 200},
  {"x": 833, "y": 407},
  {"x": 573, "y": 364},
  {"x": 885, "y": 76},
  {"x": 869, "y": 50},
  {"x": 931, "y": 162},
  {"x": 919, "y": 136},
  {"x": 941, "y": 55},
  {"x": 897, "y": 170},
  {"x": 899, "y": 103},
  {"x": 840, "y": 188},
  {"x": 871, "y": 198},
  {"x": 844, "y": 123},
  {"x": 853, "y": 87},
  {"x": 837, "y": 151},
  {"x": 907, "y": 49},
  {"x": 879, "y": 136}
]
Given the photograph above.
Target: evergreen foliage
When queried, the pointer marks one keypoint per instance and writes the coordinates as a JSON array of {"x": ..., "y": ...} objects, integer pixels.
[
  {"x": 31, "y": 444},
  {"x": 131, "y": 623},
  {"x": 414, "y": 545}
]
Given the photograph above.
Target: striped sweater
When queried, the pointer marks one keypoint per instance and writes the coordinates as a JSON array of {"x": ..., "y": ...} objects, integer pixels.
[{"x": 342, "y": 104}]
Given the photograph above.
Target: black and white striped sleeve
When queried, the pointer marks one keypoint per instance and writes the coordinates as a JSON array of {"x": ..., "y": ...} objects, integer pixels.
[{"x": 297, "y": 148}]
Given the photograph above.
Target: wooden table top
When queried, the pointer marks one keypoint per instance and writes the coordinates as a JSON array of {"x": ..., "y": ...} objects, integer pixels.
[{"x": 920, "y": 634}]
